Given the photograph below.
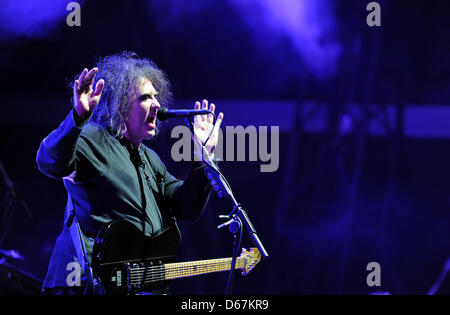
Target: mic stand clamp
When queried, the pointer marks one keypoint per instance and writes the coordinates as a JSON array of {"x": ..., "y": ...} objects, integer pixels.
[{"x": 233, "y": 224}]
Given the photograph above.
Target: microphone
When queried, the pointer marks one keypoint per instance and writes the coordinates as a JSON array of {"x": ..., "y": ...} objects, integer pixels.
[{"x": 164, "y": 113}]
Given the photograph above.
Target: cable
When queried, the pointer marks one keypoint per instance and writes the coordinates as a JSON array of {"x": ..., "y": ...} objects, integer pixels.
[{"x": 214, "y": 123}]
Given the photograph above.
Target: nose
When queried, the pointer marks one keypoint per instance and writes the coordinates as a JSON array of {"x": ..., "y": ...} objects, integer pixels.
[{"x": 155, "y": 106}]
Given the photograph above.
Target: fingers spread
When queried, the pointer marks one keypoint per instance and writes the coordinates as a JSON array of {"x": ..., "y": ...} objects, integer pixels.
[
  {"x": 86, "y": 79},
  {"x": 205, "y": 118}
]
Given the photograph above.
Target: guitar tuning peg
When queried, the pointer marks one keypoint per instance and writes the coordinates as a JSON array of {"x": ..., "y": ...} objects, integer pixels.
[{"x": 220, "y": 194}]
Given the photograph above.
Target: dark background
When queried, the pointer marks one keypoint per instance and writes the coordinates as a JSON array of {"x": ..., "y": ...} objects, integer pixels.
[{"x": 340, "y": 199}]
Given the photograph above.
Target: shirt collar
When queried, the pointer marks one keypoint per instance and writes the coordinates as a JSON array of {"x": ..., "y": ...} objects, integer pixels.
[{"x": 124, "y": 141}]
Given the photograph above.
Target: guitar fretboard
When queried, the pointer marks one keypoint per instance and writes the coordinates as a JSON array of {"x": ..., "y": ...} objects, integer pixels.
[
  {"x": 139, "y": 275},
  {"x": 193, "y": 268}
]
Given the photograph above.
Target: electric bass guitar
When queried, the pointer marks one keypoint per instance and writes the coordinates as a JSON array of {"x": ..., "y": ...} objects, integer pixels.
[{"x": 127, "y": 262}]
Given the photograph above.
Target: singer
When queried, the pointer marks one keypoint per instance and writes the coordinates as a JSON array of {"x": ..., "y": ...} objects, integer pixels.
[{"x": 109, "y": 174}]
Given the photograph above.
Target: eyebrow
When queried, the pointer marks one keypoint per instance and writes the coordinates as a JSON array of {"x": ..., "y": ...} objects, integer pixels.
[{"x": 144, "y": 96}]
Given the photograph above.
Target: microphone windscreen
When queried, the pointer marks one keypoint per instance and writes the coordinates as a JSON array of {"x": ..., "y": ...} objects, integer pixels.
[{"x": 162, "y": 114}]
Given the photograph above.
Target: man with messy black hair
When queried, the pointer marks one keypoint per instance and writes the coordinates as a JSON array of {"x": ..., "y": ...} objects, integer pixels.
[
  {"x": 108, "y": 172},
  {"x": 122, "y": 72}
]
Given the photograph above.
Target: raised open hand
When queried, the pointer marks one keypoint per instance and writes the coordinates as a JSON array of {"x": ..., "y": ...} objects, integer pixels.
[
  {"x": 85, "y": 98},
  {"x": 203, "y": 125}
]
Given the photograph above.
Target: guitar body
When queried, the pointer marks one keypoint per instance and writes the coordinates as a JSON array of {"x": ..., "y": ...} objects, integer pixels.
[{"x": 128, "y": 262}]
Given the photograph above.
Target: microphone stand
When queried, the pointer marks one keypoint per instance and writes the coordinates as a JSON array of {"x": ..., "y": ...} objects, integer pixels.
[{"x": 221, "y": 185}]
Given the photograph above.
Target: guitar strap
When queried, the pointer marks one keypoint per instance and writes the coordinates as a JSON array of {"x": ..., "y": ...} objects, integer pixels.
[{"x": 78, "y": 241}]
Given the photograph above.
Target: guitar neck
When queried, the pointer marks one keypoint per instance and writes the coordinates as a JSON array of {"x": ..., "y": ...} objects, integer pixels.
[
  {"x": 139, "y": 275},
  {"x": 195, "y": 268}
]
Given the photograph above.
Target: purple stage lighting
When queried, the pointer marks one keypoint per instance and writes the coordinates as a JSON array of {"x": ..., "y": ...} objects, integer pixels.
[
  {"x": 308, "y": 24},
  {"x": 32, "y": 19}
]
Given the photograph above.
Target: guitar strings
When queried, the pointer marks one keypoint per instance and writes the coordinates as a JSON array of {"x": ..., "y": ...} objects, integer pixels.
[
  {"x": 181, "y": 266},
  {"x": 145, "y": 278},
  {"x": 155, "y": 278},
  {"x": 173, "y": 272},
  {"x": 178, "y": 266},
  {"x": 147, "y": 274},
  {"x": 140, "y": 275}
]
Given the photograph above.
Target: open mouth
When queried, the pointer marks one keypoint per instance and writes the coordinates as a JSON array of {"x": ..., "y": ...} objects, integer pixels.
[{"x": 151, "y": 120}]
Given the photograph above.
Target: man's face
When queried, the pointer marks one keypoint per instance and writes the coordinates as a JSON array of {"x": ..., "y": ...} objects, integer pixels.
[{"x": 141, "y": 123}]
